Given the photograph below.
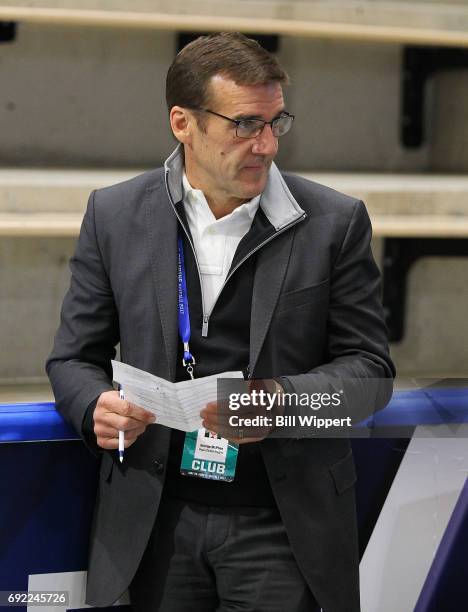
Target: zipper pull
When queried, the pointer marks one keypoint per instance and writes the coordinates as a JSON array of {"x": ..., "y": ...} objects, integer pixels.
[{"x": 204, "y": 332}]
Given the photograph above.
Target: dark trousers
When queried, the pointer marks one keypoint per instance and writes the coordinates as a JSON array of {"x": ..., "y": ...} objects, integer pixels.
[{"x": 207, "y": 559}]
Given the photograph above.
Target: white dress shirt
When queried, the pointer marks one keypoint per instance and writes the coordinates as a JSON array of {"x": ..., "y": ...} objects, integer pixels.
[{"x": 215, "y": 240}]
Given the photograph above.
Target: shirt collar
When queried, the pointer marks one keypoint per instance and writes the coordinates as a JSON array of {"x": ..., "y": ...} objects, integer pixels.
[
  {"x": 195, "y": 198},
  {"x": 276, "y": 201}
]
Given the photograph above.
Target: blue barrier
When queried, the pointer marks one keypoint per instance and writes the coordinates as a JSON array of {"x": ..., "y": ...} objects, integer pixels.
[
  {"x": 430, "y": 406},
  {"x": 32, "y": 422},
  {"x": 49, "y": 489}
]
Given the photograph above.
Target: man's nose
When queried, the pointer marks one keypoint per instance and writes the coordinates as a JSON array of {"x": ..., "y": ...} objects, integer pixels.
[{"x": 265, "y": 143}]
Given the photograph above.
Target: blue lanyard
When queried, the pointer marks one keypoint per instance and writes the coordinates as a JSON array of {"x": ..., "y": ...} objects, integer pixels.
[{"x": 183, "y": 311}]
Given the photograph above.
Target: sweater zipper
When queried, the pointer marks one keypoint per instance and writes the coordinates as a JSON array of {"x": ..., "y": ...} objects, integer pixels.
[{"x": 206, "y": 316}]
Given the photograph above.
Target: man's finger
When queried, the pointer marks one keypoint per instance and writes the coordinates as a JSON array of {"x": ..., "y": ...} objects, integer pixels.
[
  {"x": 237, "y": 434},
  {"x": 232, "y": 436},
  {"x": 222, "y": 411},
  {"x": 120, "y": 423},
  {"x": 113, "y": 443},
  {"x": 111, "y": 431},
  {"x": 245, "y": 440},
  {"x": 126, "y": 409}
]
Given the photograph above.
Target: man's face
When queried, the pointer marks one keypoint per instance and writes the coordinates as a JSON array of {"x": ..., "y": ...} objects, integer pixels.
[{"x": 220, "y": 163}]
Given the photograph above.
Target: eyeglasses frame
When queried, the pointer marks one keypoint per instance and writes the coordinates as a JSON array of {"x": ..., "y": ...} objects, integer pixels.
[{"x": 239, "y": 121}]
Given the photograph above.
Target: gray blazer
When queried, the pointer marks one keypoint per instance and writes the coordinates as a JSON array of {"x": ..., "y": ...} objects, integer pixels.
[{"x": 316, "y": 314}]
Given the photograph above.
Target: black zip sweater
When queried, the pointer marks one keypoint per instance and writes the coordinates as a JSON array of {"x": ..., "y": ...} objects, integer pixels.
[{"x": 226, "y": 348}]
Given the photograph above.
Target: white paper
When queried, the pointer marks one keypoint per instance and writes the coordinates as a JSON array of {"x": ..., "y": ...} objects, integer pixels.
[{"x": 175, "y": 405}]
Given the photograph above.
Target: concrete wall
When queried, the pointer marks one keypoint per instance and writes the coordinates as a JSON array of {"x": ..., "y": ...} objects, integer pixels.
[
  {"x": 95, "y": 97},
  {"x": 435, "y": 343},
  {"x": 74, "y": 96},
  {"x": 88, "y": 97},
  {"x": 34, "y": 276},
  {"x": 437, "y": 14}
]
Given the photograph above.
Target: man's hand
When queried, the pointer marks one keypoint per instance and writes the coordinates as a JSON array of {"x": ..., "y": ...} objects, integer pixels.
[
  {"x": 251, "y": 423},
  {"x": 113, "y": 414}
]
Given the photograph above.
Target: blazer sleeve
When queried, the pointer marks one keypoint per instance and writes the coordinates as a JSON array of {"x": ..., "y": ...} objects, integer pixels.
[
  {"x": 79, "y": 366},
  {"x": 358, "y": 361}
]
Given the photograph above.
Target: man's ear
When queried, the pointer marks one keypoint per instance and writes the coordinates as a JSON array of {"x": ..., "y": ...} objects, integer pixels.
[{"x": 181, "y": 121}]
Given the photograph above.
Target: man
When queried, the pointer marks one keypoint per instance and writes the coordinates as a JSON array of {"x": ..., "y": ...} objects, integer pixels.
[{"x": 280, "y": 280}]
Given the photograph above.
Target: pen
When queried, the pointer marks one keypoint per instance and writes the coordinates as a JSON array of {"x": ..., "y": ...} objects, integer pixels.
[{"x": 121, "y": 433}]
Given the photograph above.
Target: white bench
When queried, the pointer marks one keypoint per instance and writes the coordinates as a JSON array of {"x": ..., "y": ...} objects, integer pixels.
[
  {"x": 50, "y": 203},
  {"x": 408, "y": 23}
]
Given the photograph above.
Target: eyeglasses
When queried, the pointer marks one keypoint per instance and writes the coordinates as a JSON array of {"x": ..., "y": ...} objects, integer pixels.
[{"x": 251, "y": 128}]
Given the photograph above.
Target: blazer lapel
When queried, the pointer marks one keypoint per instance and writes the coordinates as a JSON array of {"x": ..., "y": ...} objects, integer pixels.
[
  {"x": 162, "y": 234},
  {"x": 271, "y": 265}
]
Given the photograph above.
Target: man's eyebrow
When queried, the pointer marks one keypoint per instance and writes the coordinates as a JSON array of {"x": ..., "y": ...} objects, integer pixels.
[{"x": 247, "y": 117}]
